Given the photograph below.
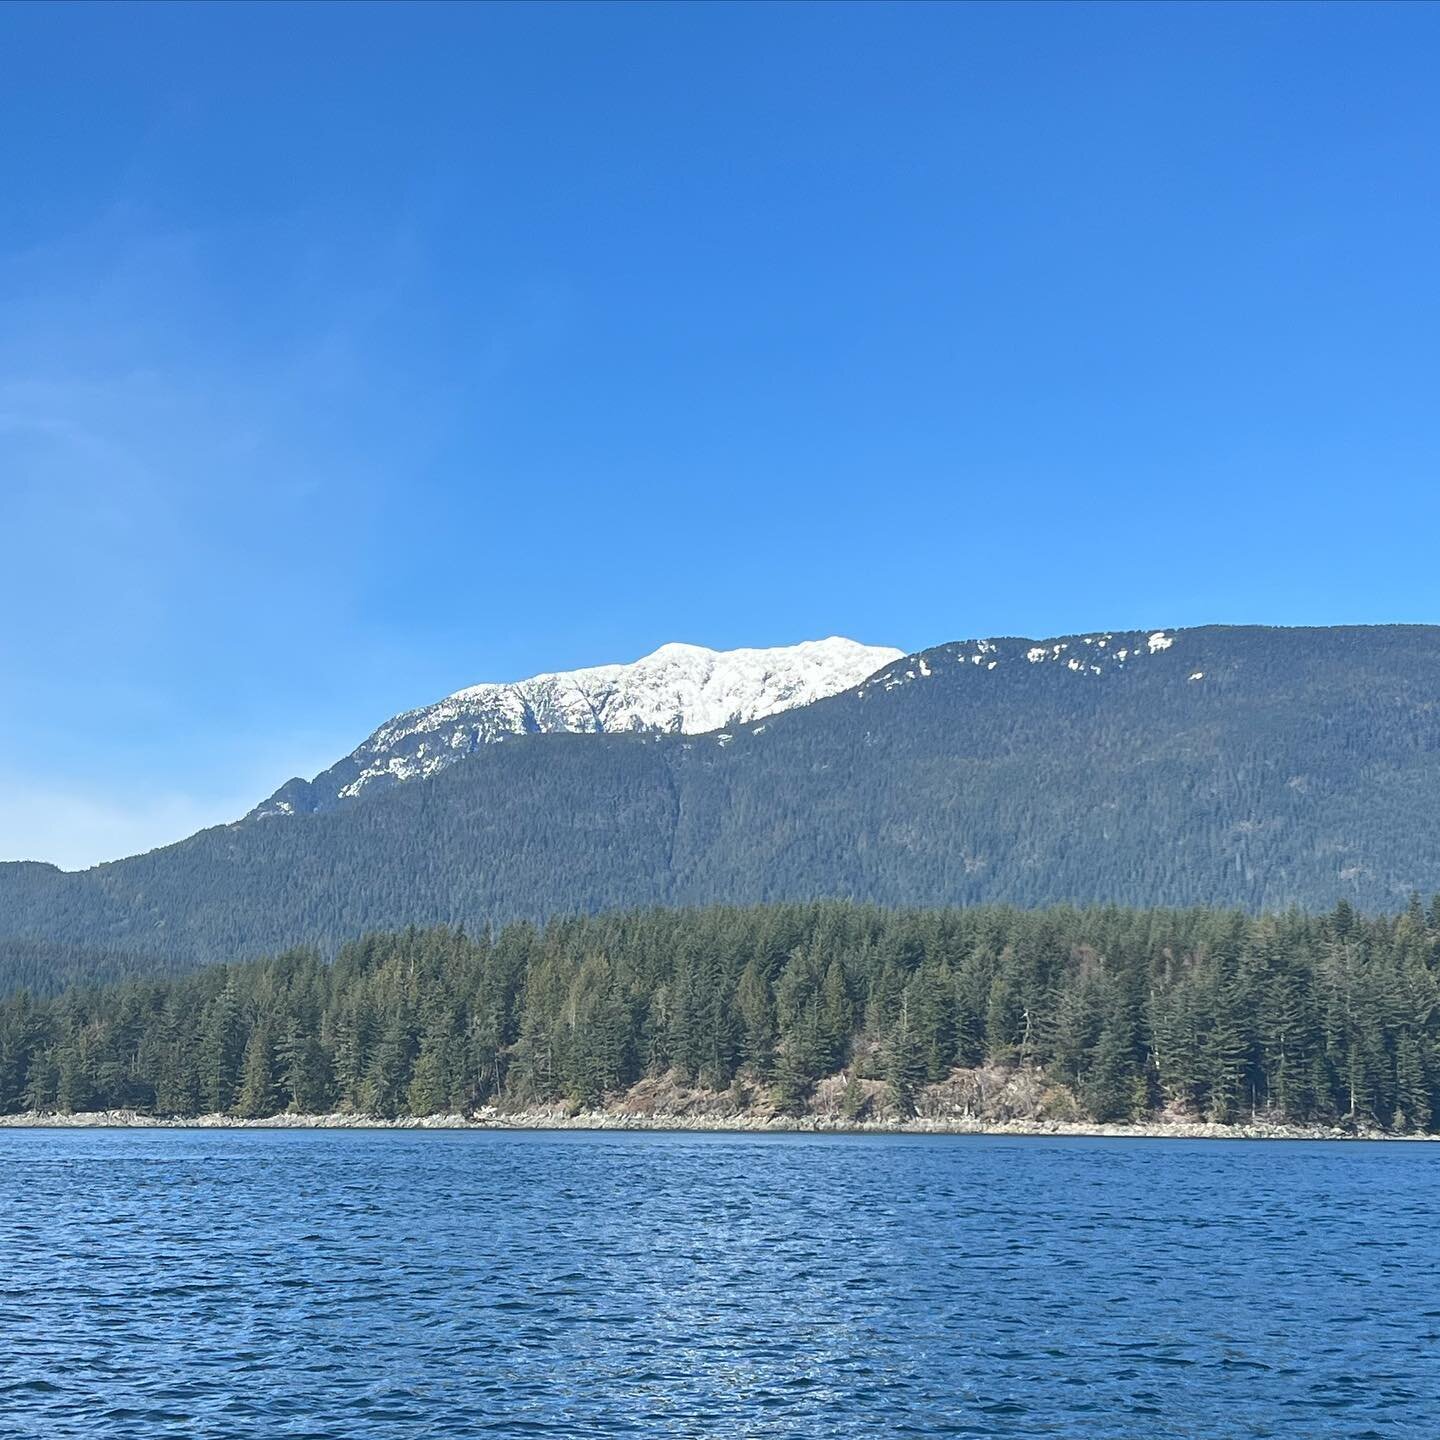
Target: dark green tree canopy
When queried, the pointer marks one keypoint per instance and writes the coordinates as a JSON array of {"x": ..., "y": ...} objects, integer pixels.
[{"x": 1206, "y": 1013}]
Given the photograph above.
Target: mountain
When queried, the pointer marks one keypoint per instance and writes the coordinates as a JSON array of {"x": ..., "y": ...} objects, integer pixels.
[
  {"x": 1246, "y": 766},
  {"x": 680, "y": 689}
]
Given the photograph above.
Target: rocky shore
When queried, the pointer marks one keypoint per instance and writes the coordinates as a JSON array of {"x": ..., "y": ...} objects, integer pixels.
[
  {"x": 990, "y": 1100},
  {"x": 550, "y": 1119}
]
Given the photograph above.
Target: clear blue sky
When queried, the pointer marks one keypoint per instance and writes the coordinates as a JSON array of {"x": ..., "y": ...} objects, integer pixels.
[{"x": 351, "y": 355}]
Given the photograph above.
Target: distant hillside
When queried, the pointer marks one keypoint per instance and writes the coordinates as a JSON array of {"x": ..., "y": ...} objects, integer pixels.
[
  {"x": 1234, "y": 766},
  {"x": 46, "y": 968}
]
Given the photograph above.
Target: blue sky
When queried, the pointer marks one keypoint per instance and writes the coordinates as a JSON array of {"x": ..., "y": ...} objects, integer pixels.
[{"x": 349, "y": 356}]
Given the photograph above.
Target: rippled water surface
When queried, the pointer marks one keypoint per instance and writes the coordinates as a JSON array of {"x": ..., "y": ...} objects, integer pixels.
[{"x": 356, "y": 1284}]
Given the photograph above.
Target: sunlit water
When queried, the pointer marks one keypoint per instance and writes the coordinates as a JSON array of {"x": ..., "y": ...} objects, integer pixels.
[{"x": 357, "y": 1284}]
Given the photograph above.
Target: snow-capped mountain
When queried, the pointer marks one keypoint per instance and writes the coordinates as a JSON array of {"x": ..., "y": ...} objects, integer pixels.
[
  {"x": 684, "y": 689},
  {"x": 1224, "y": 765}
]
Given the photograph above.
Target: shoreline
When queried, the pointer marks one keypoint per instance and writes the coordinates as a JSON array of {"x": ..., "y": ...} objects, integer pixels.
[{"x": 737, "y": 1124}]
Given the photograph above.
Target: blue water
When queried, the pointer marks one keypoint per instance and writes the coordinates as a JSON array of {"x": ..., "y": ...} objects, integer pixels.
[{"x": 358, "y": 1284}]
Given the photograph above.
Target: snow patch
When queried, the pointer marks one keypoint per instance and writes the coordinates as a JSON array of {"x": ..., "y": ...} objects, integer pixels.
[{"x": 679, "y": 689}]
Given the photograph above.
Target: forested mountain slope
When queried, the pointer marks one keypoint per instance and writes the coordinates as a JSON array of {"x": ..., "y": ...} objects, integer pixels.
[{"x": 1253, "y": 767}]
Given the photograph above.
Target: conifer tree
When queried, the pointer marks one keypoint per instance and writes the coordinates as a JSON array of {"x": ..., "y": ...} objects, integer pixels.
[
  {"x": 220, "y": 1049},
  {"x": 1111, "y": 1080},
  {"x": 757, "y": 1019},
  {"x": 258, "y": 1098},
  {"x": 904, "y": 1064},
  {"x": 74, "y": 1090},
  {"x": 429, "y": 1089},
  {"x": 837, "y": 1020},
  {"x": 1412, "y": 1087}
]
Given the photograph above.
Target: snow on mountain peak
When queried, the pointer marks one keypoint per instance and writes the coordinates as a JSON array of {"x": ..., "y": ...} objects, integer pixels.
[{"x": 679, "y": 689}]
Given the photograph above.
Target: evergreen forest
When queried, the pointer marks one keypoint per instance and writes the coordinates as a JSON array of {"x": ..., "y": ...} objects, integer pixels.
[{"x": 1125, "y": 1013}]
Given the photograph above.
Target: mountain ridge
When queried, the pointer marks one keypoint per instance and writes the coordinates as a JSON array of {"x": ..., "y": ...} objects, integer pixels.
[
  {"x": 676, "y": 689},
  {"x": 1301, "y": 767}
]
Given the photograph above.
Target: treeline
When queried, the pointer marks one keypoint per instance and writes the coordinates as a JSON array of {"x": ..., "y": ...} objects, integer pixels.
[{"x": 1210, "y": 1013}]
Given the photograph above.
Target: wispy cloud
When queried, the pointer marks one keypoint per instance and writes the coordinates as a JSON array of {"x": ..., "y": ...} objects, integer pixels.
[{"x": 79, "y": 828}]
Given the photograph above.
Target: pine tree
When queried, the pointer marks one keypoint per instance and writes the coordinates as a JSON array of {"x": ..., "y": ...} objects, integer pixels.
[
  {"x": 904, "y": 1065},
  {"x": 1003, "y": 1016},
  {"x": 1111, "y": 1081},
  {"x": 258, "y": 1097},
  {"x": 429, "y": 1090},
  {"x": 1412, "y": 1088},
  {"x": 715, "y": 1032},
  {"x": 931, "y": 1011},
  {"x": 177, "y": 1086},
  {"x": 307, "y": 1074},
  {"x": 853, "y": 1100},
  {"x": 75, "y": 1090},
  {"x": 799, "y": 1064},
  {"x": 837, "y": 1019},
  {"x": 355, "y": 1036},
  {"x": 1224, "y": 1049},
  {"x": 389, "y": 1074},
  {"x": 42, "y": 1082},
  {"x": 220, "y": 1050}
]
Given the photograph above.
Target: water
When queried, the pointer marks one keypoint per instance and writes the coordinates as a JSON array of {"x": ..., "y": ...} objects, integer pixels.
[{"x": 398, "y": 1284}]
